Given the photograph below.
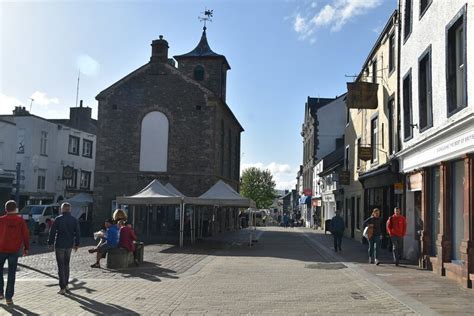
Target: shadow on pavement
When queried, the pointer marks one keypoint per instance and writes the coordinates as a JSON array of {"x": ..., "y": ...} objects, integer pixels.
[
  {"x": 17, "y": 310},
  {"x": 148, "y": 271},
  {"x": 97, "y": 308}
]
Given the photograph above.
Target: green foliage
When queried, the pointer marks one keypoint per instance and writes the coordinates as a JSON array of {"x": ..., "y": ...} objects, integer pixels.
[{"x": 259, "y": 186}]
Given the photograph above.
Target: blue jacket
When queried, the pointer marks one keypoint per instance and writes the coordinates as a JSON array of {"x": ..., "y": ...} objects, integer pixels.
[
  {"x": 337, "y": 224},
  {"x": 112, "y": 235},
  {"x": 65, "y": 232}
]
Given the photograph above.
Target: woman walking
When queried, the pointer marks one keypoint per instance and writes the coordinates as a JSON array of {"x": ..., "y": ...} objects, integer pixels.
[{"x": 374, "y": 226}]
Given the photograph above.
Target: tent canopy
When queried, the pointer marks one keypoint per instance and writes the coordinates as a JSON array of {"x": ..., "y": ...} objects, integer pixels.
[
  {"x": 173, "y": 190},
  {"x": 221, "y": 194},
  {"x": 153, "y": 193}
]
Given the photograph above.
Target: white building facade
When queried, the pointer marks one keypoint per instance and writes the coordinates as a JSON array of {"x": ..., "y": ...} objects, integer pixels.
[
  {"x": 437, "y": 154},
  {"x": 56, "y": 161}
]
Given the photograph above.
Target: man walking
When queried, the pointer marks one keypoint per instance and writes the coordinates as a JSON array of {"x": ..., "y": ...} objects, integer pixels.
[
  {"x": 337, "y": 230},
  {"x": 396, "y": 228},
  {"x": 13, "y": 232},
  {"x": 64, "y": 234}
]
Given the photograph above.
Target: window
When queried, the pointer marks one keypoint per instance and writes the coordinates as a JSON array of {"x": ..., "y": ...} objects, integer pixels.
[
  {"x": 21, "y": 141},
  {"x": 73, "y": 145},
  {"x": 41, "y": 184},
  {"x": 346, "y": 159},
  {"x": 391, "y": 55},
  {"x": 374, "y": 71},
  {"x": 154, "y": 142},
  {"x": 374, "y": 137},
  {"x": 348, "y": 114},
  {"x": 87, "y": 148},
  {"x": 407, "y": 109},
  {"x": 424, "y": 91},
  {"x": 391, "y": 129},
  {"x": 44, "y": 143},
  {"x": 72, "y": 182},
  {"x": 199, "y": 73},
  {"x": 424, "y": 4},
  {"x": 456, "y": 80},
  {"x": 85, "y": 181},
  {"x": 357, "y": 160},
  {"x": 407, "y": 19}
]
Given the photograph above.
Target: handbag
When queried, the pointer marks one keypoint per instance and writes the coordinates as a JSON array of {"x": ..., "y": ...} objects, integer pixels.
[{"x": 366, "y": 232}]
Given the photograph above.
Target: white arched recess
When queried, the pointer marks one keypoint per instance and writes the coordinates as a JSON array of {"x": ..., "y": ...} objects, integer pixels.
[{"x": 154, "y": 142}]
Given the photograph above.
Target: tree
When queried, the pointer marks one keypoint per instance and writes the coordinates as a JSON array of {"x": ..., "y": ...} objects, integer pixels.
[{"x": 259, "y": 186}]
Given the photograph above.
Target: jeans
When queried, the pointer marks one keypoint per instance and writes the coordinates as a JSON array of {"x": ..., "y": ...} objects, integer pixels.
[
  {"x": 374, "y": 245},
  {"x": 63, "y": 256},
  {"x": 337, "y": 240},
  {"x": 12, "y": 264},
  {"x": 397, "y": 248}
]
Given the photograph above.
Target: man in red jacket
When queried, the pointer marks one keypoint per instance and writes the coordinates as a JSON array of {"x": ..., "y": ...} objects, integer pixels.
[
  {"x": 396, "y": 228},
  {"x": 13, "y": 233}
]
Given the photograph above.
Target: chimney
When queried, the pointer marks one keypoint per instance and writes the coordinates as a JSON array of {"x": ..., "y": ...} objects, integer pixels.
[
  {"x": 20, "y": 111},
  {"x": 159, "y": 50},
  {"x": 80, "y": 117}
]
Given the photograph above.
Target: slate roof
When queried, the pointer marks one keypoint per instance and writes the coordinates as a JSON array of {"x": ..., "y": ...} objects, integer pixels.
[{"x": 202, "y": 50}]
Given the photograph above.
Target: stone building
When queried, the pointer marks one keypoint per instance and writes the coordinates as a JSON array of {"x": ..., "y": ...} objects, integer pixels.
[{"x": 168, "y": 123}]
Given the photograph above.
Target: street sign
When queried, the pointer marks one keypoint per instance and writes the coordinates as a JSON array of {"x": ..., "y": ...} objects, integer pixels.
[
  {"x": 344, "y": 177},
  {"x": 362, "y": 95}
]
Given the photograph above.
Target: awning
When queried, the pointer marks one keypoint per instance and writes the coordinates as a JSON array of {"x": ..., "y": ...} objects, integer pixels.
[{"x": 305, "y": 199}]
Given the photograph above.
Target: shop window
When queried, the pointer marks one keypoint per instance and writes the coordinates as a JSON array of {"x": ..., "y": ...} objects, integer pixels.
[
  {"x": 424, "y": 91},
  {"x": 424, "y": 4},
  {"x": 456, "y": 80},
  {"x": 374, "y": 138},
  {"x": 457, "y": 208},
  {"x": 434, "y": 197}
]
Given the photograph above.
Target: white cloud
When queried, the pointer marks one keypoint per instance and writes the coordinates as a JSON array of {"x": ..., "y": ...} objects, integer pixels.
[
  {"x": 41, "y": 99},
  {"x": 7, "y": 104},
  {"x": 88, "y": 65},
  {"x": 325, "y": 16},
  {"x": 334, "y": 15},
  {"x": 284, "y": 175}
]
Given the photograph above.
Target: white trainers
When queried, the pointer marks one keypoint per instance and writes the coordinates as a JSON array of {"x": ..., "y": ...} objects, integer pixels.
[{"x": 377, "y": 262}]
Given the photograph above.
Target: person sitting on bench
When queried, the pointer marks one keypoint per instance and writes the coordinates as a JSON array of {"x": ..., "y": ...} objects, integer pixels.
[
  {"x": 110, "y": 240},
  {"x": 127, "y": 238}
]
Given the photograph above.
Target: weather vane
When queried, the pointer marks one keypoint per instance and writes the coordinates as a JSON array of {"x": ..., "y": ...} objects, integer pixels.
[{"x": 207, "y": 16}]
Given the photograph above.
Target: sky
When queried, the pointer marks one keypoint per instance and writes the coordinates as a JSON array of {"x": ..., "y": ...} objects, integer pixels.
[{"x": 280, "y": 52}]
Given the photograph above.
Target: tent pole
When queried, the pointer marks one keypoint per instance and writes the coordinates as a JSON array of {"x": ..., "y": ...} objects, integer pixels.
[
  {"x": 133, "y": 217},
  {"x": 192, "y": 226},
  {"x": 181, "y": 225},
  {"x": 148, "y": 221}
]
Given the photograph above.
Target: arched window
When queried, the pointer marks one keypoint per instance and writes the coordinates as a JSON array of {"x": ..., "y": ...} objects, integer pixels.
[
  {"x": 154, "y": 142},
  {"x": 199, "y": 73}
]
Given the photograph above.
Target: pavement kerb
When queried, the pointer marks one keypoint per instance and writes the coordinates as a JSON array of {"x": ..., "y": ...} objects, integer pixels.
[{"x": 398, "y": 295}]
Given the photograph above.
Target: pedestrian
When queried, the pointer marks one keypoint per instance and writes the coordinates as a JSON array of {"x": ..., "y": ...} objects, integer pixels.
[
  {"x": 374, "y": 224},
  {"x": 32, "y": 228},
  {"x": 109, "y": 240},
  {"x": 65, "y": 235},
  {"x": 127, "y": 239},
  {"x": 13, "y": 233},
  {"x": 337, "y": 230},
  {"x": 396, "y": 228}
]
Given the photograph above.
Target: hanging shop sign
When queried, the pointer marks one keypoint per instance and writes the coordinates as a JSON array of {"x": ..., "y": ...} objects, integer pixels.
[
  {"x": 365, "y": 153},
  {"x": 307, "y": 192},
  {"x": 415, "y": 182},
  {"x": 398, "y": 188},
  {"x": 344, "y": 177},
  {"x": 362, "y": 95}
]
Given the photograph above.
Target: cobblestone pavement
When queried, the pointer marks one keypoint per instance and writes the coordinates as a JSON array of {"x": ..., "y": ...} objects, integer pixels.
[{"x": 288, "y": 271}]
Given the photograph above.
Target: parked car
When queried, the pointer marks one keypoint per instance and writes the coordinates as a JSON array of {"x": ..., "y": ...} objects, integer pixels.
[{"x": 40, "y": 213}]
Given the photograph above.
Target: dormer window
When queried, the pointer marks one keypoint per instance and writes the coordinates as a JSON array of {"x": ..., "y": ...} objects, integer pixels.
[{"x": 199, "y": 73}]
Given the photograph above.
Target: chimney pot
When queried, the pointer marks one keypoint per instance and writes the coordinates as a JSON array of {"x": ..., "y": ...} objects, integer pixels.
[{"x": 159, "y": 50}]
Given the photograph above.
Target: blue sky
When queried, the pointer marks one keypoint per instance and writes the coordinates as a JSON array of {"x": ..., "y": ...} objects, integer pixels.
[{"x": 280, "y": 52}]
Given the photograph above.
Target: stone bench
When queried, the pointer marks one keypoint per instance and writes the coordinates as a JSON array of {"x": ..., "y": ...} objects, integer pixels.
[{"x": 120, "y": 258}]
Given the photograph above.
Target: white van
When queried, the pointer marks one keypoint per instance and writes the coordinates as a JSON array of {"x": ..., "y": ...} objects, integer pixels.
[{"x": 40, "y": 213}]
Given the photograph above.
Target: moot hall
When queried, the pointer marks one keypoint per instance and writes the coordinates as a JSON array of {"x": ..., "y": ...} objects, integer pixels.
[{"x": 167, "y": 123}]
